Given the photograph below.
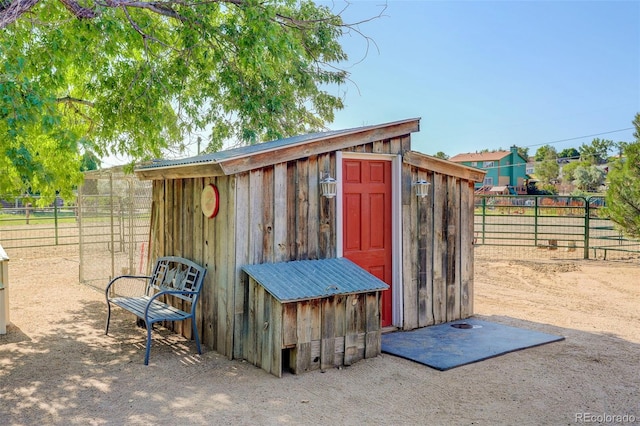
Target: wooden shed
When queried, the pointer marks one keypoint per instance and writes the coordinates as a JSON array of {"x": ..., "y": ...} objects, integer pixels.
[{"x": 270, "y": 209}]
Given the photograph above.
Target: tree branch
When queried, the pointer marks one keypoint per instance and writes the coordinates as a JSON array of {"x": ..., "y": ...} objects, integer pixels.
[
  {"x": 78, "y": 11},
  {"x": 10, "y": 11},
  {"x": 69, "y": 99}
]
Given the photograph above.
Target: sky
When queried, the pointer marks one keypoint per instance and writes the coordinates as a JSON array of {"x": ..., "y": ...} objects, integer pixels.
[{"x": 492, "y": 74}]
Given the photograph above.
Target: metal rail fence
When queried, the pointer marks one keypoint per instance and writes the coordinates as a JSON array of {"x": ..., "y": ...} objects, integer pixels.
[
  {"x": 531, "y": 225},
  {"x": 24, "y": 225}
]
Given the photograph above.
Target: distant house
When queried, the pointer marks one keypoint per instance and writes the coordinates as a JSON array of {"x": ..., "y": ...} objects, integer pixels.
[{"x": 503, "y": 168}]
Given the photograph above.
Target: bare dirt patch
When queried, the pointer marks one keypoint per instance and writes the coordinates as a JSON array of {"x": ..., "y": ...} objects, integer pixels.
[{"x": 58, "y": 367}]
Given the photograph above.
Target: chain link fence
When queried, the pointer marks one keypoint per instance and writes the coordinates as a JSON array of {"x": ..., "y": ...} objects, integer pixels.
[{"x": 114, "y": 213}]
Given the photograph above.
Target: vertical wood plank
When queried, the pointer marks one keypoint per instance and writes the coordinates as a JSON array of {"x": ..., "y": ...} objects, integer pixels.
[
  {"x": 267, "y": 347},
  {"x": 332, "y": 249},
  {"x": 230, "y": 277},
  {"x": 198, "y": 240},
  {"x": 177, "y": 242},
  {"x": 241, "y": 293},
  {"x": 302, "y": 209},
  {"x": 249, "y": 344},
  {"x": 177, "y": 217},
  {"x": 292, "y": 207},
  {"x": 340, "y": 328},
  {"x": 395, "y": 146},
  {"x": 373, "y": 337},
  {"x": 409, "y": 237},
  {"x": 159, "y": 246},
  {"x": 268, "y": 252},
  {"x": 328, "y": 332},
  {"x": 453, "y": 227},
  {"x": 316, "y": 336},
  {"x": 255, "y": 217},
  {"x": 324, "y": 231},
  {"x": 289, "y": 324},
  {"x": 168, "y": 217},
  {"x": 276, "y": 337},
  {"x": 313, "y": 217},
  {"x": 466, "y": 249},
  {"x": 439, "y": 248},
  {"x": 208, "y": 288},
  {"x": 356, "y": 328},
  {"x": 281, "y": 247},
  {"x": 241, "y": 238},
  {"x": 224, "y": 246},
  {"x": 303, "y": 346},
  {"x": 260, "y": 323},
  {"x": 428, "y": 247},
  {"x": 405, "y": 143},
  {"x": 425, "y": 302},
  {"x": 188, "y": 243},
  {"x": 204, "y": 293}
]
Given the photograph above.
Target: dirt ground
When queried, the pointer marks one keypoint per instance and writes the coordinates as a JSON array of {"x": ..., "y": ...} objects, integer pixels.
[{"x": 58, "y": 367}]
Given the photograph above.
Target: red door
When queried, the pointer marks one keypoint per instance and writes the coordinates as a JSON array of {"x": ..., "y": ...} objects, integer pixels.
[{"x": 367, "y": 221}]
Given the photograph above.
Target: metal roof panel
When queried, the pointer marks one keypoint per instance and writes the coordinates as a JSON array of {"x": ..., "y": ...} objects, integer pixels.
[
  {"x": 247, "y": 151},
  {"x": 312, "y": 279}
]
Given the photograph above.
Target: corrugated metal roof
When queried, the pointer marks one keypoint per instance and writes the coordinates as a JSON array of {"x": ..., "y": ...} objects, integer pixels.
[
  {"x": 246, "y": 151},
  {"x": 242, "y": 151},
  {"x": 312, "y": 279}
]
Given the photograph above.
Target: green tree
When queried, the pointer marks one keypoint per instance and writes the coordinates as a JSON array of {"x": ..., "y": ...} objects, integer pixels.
[
  {"x": 568, "y": 170},
  {"x": 569, "y": 153},
  {"x": 134, "y": 78},
  {"x": 623, "y": 195},
  {"x": 597, "y": 151},
  {"x": 588, "y": 178},
  {"x": 545, "y": 152},
  {"x": 547, "y": 171},
  {"x": 441, "y": 155},
  {"x": 524, "y": 152}
]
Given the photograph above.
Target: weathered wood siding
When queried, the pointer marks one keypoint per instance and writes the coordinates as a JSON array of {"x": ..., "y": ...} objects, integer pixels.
[
  {"x": 179, "y": 228},
  {"x": 438, "y": 250},
  {"x": 311, "y": 334}
]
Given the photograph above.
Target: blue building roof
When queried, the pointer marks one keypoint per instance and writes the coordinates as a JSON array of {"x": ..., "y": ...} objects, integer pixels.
[{"x": 312, "y": 279}]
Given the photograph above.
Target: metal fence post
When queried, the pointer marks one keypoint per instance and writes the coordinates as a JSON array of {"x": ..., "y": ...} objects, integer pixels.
[
  {"x": 587, "y": 225},
  {"x": 113, "y": 246},
  {"x": 79, "y": 206},
  {"x": 55, "y": 219},
  {"x": 484, "y": 216},
  {"x": 131, "y": 243},
  {"x": 535, "y": 221}
]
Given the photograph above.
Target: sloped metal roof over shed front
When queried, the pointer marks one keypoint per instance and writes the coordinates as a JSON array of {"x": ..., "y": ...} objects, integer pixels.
[{"x": 312, "y": 279}]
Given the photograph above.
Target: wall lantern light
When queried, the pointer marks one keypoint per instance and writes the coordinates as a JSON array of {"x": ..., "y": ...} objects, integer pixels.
[
  {"x": 422, "y": 188},
  {"x": 328, "y": 186}
]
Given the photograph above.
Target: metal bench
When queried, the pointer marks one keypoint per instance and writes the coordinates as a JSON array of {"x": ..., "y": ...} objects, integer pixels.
[{"x": 172, "y": 276}]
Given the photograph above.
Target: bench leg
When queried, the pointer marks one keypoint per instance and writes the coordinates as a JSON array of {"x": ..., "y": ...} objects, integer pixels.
[
  {"x": 195, "y": 334},
  {"x": 146, "y": 355},
  {"x": 106, "y": 329}
]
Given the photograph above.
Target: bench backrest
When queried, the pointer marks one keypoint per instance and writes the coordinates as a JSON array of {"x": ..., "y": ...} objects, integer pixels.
[{"x": 177, "y": 273}]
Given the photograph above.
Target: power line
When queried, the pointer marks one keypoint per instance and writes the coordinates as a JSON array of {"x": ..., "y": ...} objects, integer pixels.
[{"x": 580, "y": 137}]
